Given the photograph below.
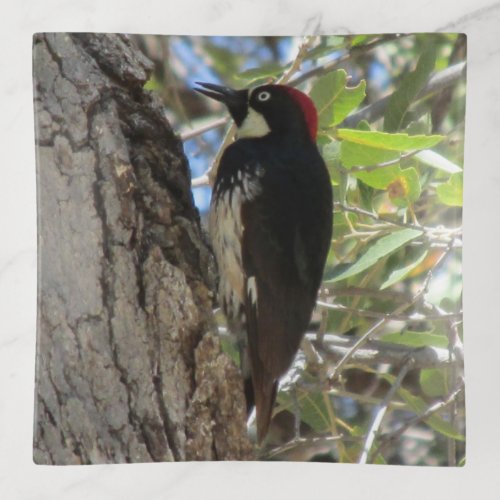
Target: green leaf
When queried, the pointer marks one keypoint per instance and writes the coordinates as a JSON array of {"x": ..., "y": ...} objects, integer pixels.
[
  {"x": 391, "y": 142},
  {"x": 451, "y": 192},
  {"x": 380, "y": 178},
  {"x": 313, "y": 410},
  {"x": 403, "y": 185},
  {"x": 333, "y": 100},
  {"x": 381, "y": 248},
  {"x": 435, "y": 160},
  {"x": 419, "y": 406},
  {"x": 347, "y": 101},
  {"x": 353, "y": 154},
  {"x": 405, "y": 189},
  {"x": 399, "y": 274},
  {"x": 433, "y": 382},
  {"x": 411, "y": 85},
  {"x": 266, "y": 71},
  {"x": 324, "y": 92},
  {"x": 331, "y": 155},
  {"x": 359, "y": 40},
  {"x": 416, "y": 339}
]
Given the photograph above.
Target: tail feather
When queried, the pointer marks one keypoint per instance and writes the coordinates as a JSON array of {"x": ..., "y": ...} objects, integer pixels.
[
  {"x": 249, "y": 395},
  {"x": 265, "y": 395}
]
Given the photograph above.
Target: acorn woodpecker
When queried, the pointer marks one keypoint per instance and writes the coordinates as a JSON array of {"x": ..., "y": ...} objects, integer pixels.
[{"x": 270, "y": 224}]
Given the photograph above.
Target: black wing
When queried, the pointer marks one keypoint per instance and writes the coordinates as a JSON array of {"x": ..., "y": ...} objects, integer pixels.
[{"x": 287, "y": 233}]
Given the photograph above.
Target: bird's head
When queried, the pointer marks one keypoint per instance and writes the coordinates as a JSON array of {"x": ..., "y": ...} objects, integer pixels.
[{"x": 276, "y": 109}]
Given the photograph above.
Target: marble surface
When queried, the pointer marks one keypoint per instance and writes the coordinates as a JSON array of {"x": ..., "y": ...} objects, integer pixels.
[{"x": 21, "y": 479}]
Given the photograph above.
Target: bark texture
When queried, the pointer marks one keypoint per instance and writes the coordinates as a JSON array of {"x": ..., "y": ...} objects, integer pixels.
[{"x": 128, "y": 366}]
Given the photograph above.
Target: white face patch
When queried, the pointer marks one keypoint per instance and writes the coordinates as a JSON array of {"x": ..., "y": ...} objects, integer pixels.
[{"x": 254, "y": 125}]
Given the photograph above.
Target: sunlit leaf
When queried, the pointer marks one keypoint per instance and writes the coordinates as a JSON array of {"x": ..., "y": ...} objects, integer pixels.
[
  {"x": 405, "y": 189},
  {"x": 435, "y": 160},
  {"x": 333, "y": 99},
  {"x": 416, "y": 339},
  {"x": 451, "y": 192},
  {"x": 353, "y": 154},
  {"x": 359, "y": 40},
  {"x": 324, "y": 92},
  {"x": 347, "y": 101},
  {"x": 392, "y": 142},
  {"x": 403, "y": 185}
]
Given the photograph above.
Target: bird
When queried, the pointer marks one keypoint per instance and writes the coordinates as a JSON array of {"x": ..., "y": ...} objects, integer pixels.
[{"x": 270, "y": 225}]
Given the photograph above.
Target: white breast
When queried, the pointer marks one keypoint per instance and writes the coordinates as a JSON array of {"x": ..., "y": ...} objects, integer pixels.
[{"x": 226, "y": 232}]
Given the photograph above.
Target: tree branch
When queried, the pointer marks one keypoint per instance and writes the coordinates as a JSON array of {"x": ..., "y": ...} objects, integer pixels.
[
  {"x": 439, "y": 81},
  {"x": 353, "y": 52},
  {"x": 375, "y": 352}
]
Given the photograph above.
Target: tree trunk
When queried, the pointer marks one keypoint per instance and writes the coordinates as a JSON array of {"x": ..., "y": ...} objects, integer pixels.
[{"x": 129, "y": 367}]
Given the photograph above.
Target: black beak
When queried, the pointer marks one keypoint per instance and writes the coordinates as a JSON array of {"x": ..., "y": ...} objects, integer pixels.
[{"x": 235, "y": 100}]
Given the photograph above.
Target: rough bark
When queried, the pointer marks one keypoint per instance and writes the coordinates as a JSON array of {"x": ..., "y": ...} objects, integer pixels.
[{"x": 128, "y": 366}]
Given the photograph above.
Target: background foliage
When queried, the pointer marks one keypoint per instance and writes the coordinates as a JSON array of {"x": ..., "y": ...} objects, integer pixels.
[{"x": 380, "y": 375}]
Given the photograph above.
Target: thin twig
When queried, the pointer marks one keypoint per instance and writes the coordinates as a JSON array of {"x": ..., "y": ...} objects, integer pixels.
[
  {"x": 353, "y": 52},
  {"x": 390, "y": 437},
  {"x": 299, "y": 58},
  {"x": 191, "y": 134},
  {"x": 381, "y": 411},
  {"x": 375, "y": 216},
  {"x": 390, "y": 316},
  {"x": 303, "y": 442},
  {"x": 366, "y": 292},
  {"x": 356, "y": 300},
  {"x": 371, "y": 331}
]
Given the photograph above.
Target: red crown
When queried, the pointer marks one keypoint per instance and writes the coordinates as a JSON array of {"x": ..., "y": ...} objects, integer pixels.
[{"x": 308, "y": 108}]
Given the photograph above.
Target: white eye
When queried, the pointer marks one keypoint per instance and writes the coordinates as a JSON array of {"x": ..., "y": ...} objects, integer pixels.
[{"x": 263, "y": 96}]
